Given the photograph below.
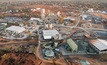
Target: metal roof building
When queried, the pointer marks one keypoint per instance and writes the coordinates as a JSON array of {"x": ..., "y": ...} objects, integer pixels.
[
  {"x": 72, "y": 44},
  {"x": 36, "y": 19},
  {"x": 15, "y": 29},
  {"x": 99, "y": 45},
  {"x": 48, "y": 34}
]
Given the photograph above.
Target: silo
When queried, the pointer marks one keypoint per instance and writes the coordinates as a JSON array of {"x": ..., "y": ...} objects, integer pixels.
[{"x": 42, "y": 13}]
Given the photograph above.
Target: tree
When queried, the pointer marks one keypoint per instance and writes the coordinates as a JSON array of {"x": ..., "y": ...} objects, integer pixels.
[
  {"x": 10, "y": 61},
  {"x": 54, "y": 62},
  {"x": 6, "y": 56},
  {"x": 61, "y": 19}
]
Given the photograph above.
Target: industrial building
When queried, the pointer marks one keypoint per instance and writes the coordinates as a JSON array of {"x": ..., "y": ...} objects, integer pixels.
[
  {"x": 15, "y": 29},
  {"x": 35, "y": 21},
  {"x": 99, "y": 45},
  {"x": 48, "y": 34},
  {"x": 14, "y": 32}
]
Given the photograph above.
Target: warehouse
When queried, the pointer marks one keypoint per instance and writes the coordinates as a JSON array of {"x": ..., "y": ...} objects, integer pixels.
[
  {"x": 13, "y": 32},
  {"x": 15, "y": 29},
  {"x": 99, "y": 45},
  {"x": 48, "y": 34}
]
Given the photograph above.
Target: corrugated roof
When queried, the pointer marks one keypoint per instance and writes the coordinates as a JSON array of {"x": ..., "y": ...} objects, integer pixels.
[
  {"x": 72, "y": 44},
  {"x": 16, "y": 29},
  {"x": 99, "y": 44},
  {"x": 49, "y": 33}
]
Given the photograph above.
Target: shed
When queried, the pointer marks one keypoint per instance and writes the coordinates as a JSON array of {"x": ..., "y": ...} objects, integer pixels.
[{"x": 72, "y": 44}]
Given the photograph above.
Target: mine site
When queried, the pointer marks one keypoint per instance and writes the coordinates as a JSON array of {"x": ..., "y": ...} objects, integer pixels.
[{"x": 53, "y": 32}]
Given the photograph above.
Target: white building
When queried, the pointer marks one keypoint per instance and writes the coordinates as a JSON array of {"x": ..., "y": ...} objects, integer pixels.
[
  {"x": 91, "y": 10},
  {"x": 14, "y": 32},
  {"x": 69, "y": 18},
  {"x": 35, "y": 19},
  {"x": 59, "y": 13},
  {"x": 48, "y": 34},
  {"x": 84, "y": 17},
  {"x": 15, "y": 29}
]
